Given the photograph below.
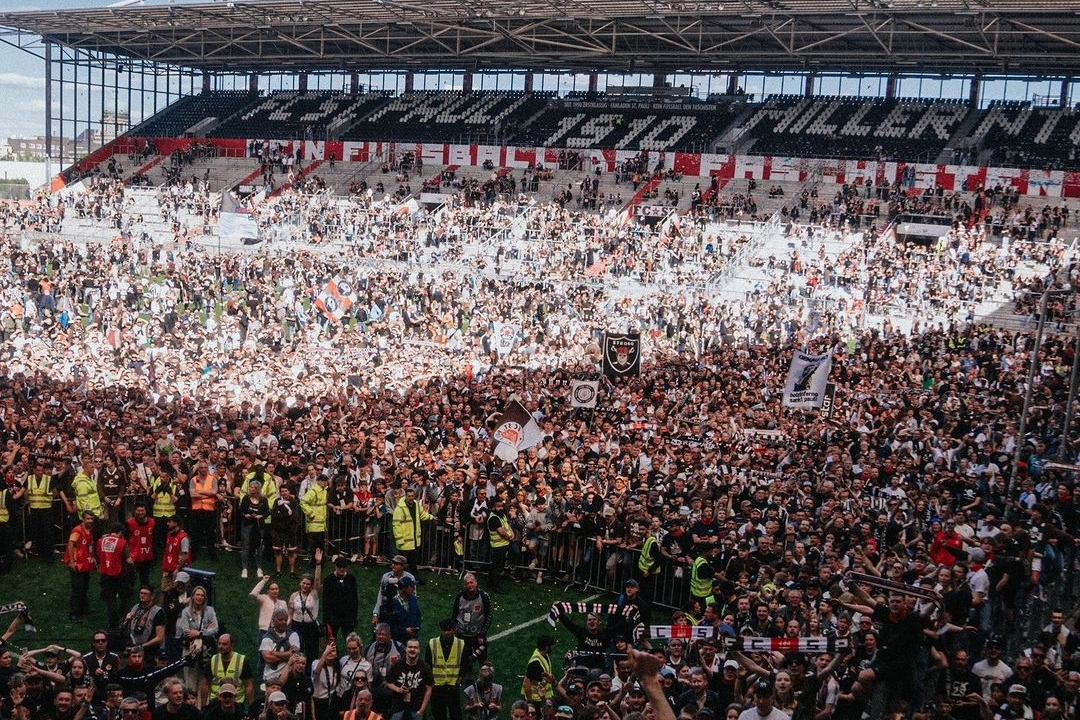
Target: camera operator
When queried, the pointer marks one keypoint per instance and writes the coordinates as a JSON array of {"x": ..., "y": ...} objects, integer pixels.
[{"x": 388, "y": 589}]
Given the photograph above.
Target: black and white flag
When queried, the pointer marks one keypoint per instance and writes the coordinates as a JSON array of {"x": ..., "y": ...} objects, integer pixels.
[
  {"x": 516, "y": 431},
  {"x": 806, "y": 380},
  {"x": 235, "y": 221},
  {"x": 583, "y": 393},
  {"x": 622, "y": 354},
  {"x": 505, "y": 336}
]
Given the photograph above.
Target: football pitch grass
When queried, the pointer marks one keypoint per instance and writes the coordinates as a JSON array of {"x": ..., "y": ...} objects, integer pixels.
[{"x": 45, "y": 588}]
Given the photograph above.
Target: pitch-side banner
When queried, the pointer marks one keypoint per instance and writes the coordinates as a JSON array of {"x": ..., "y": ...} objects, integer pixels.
[
  {"x": 806, "y": 380},
  {"x": 583, "y": 393},
  {"x": 622, "y": 354}
]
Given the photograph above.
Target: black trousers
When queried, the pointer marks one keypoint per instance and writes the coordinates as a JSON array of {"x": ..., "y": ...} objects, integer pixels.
[
  {"x": 446, "y": 702},
  {"x": 79, "y": 603},
  {"x": 201, "y": 524},
  {"x": 42, "y": 533},
  {"x": 498, "y": 566}
]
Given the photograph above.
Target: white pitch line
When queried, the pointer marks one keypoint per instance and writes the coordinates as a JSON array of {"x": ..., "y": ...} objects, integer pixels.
[{"x": 534, "y": 621}]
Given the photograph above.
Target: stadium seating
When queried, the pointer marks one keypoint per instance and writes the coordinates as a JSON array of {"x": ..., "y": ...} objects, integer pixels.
[
  {"x": 447, "y": 116},
  {"x": 620, "y": 125},
  {"x": 1015, "y": 133},
  {"x": 292, "y": 115},
  {"x": 852, "y": 128},
  {"x": 189, "y": 111}
]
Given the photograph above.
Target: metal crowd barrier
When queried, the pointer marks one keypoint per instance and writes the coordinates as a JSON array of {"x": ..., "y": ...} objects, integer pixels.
[{"x": 565, "y": 557}]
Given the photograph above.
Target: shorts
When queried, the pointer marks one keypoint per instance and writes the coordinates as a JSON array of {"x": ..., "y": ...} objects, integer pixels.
[{"x": 282, "y": 539}]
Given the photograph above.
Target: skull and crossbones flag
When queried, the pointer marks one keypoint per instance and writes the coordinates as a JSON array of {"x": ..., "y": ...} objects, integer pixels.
[{"x": 622, "y": 354}]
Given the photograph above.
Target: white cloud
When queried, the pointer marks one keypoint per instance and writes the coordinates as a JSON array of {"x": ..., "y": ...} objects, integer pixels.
[{"x": 10, "y": 80}]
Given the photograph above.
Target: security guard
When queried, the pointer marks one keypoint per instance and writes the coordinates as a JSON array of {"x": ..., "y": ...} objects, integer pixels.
[
  {"x": 40, "y": 494},
  {"x": 446, "y": 654}
]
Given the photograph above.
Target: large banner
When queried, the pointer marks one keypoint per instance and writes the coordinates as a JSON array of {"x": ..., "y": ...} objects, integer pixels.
[
  {"x": 622, "y": 354},
  {"x": 583, "y": 393},
  {"x": 806, "y": 380},
  {"x": 235, "y": 222}
]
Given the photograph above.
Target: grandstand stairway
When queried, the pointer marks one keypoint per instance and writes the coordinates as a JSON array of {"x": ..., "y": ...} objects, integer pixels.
[{"x": 298, "y": 175}]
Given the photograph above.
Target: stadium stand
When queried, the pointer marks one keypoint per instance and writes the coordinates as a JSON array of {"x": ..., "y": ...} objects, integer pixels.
[
  {"x": 288, "y": 115},
  {"x": 625, "y": 126},
  {"x": 193, "y": 111},
  {"x": 853, "y": 128},
  {"x": 1019, "y": 134},
  {"x": 442, "y": 116}
]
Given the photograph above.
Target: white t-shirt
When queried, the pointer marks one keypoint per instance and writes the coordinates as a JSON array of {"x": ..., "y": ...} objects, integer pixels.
[
  {"x": 990, "y": 674},
  {"x": 753, "y": 714}
]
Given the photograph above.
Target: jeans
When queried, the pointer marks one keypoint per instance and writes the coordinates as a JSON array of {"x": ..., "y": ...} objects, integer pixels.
[{"x": 251, "y": 545}]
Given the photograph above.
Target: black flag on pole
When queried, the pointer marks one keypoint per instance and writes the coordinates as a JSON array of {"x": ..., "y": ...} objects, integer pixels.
[{"x": 622, "y": 354}]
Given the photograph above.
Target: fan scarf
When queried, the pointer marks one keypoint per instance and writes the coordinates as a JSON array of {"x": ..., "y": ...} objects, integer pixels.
[
  {"x": 633, "y": 617},
  {"x": 813, "y": 645},
  {"x": 24, "y": 613},
  {"x": 897, "y": 587}
]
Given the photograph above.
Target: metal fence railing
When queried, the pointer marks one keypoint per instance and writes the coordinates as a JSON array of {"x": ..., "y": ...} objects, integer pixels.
[{"x": 567, "y": 557}]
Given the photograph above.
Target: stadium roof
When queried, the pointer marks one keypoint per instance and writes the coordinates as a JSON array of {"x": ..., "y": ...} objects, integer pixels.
[{"x": 1028, "y": 37}]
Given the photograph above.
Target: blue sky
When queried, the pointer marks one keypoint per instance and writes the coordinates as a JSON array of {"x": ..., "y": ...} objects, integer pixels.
[{"x": 22, "y": 75}]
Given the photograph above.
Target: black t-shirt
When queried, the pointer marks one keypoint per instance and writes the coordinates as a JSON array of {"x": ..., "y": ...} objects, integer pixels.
[
  {"x": 900, "y": 638},
  {"x": 956, "y": 684},
  {"x": 184, "y": 712},
  {"x": 414, "y": 677}
]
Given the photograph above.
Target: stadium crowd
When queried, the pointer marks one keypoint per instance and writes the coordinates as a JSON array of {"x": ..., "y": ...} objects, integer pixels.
[{"x": 161, "y": 403}]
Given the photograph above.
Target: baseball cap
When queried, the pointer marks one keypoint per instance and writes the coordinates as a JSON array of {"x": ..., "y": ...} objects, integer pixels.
[
  {"x": 406, "y": 581},
  {"x": 763, "y": 687},
  {"x": 398, "y": 560},
  {"x": 182, "y": 577},
  {"x": 277, "y": 697},
  {"x": 1017, "y": 689},
  {"x": 631, "y": 583},
  {"x": 731, "y": 664},
  {"x": 564, "y": 711},
  {"x": 341, "y": 561},
  {"x": 227, "y": 689}
]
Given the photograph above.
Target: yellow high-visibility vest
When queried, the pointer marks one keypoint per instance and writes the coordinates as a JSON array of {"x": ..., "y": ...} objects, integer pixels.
[{"x": 446, "y": 670}]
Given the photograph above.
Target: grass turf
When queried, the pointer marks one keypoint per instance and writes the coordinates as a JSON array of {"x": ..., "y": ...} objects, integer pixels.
[{"x": 45, "y": 588}]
